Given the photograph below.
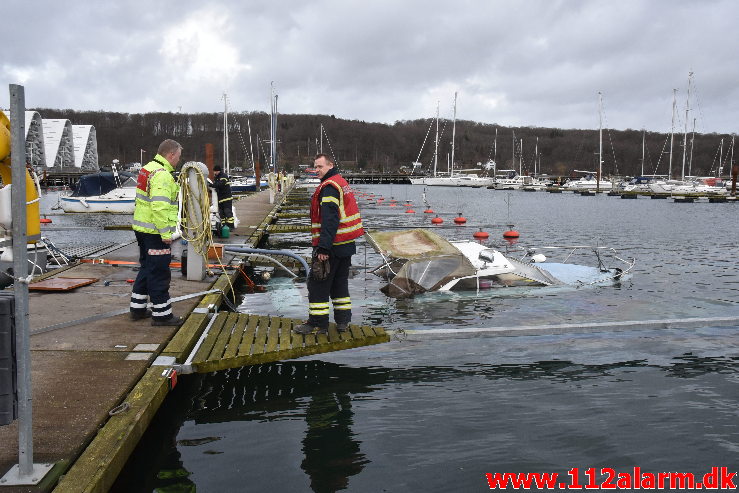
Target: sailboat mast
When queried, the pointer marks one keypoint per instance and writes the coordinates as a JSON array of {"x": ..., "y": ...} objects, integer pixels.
[
  {"x": 600, "y": 141},
  {"x": 495, "y": 146},
  {"x": 520, "y": 159},
  {"x": 643, "y": 146},
  {"x": 672, "y": 129},
  {"x": 454, "y": 134},
  {"x": 321, "y": 132},
  {"x": 692, "y": 142},
  {"x": 436, "y": 142},
  {"x": 273, "y": 128},
  {"x": 251, "y": 149},
  {"x": 731, "y": 160},
  {"x": 536, "y": 153},
  {"x": 226, "y": 165},
  {"x": 685, "y": 137}
]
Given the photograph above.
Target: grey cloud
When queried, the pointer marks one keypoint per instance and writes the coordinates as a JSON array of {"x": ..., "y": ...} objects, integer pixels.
[{"x": 538, "y": 63}]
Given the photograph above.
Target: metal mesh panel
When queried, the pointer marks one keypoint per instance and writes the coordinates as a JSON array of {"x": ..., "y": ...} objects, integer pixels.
[{"x": 8, "y": 374}]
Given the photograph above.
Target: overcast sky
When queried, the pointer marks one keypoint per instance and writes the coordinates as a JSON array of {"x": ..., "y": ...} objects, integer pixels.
[{"x": 533, "y": 63}]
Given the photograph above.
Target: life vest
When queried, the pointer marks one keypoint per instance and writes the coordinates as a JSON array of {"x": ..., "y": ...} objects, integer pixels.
[
  {"x": 156, "y": 199},
  {"x": 350, "y": 222}
]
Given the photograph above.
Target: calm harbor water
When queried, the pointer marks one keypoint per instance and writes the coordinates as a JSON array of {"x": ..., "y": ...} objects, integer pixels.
[{"x": 436, "y": 414}]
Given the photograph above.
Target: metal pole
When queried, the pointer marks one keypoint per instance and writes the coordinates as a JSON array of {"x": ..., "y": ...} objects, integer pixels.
[
  {"x": 600, "y": 141},
  {"x": 685, "y": 136},
  {"x": 20, "y": 270},
  {"x": 672, "y": 129},
  {"x": 454, "y": 134},
  {"x": 436, "y": 143},
  {"x": 226, "y": 164}
]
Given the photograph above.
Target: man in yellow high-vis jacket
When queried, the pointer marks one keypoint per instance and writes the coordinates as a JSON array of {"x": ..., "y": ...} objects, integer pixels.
[{"x": 154, "y": 222}]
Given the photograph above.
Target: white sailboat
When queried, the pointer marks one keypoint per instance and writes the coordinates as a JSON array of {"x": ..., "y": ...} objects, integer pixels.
[
  {"x": 592, "y": 180},
  {"x": 451, "y": 179},
  {"x": 238, "y": 183}
]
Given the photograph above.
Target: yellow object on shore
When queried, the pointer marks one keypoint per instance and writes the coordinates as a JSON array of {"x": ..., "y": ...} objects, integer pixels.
[{"x": 33, "y": 223}]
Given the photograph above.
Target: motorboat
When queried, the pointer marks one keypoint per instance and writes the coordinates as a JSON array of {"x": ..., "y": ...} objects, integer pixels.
[
  {"x": 509, "y": 179},
  {"x": 688, "y": 186},
  {"x": 457, "y": 180},
  {"x": 587, "y": 182},
  {"x": 246, "y": 184},
  {"x": 417, "y": 261},
  {"x": 104, "y": 192},
  {"x": 309, "y": 180}
]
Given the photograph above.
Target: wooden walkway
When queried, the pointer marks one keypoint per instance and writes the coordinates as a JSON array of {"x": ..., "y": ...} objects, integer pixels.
[
  {"x": 238, "y": 339},
  {"x": 233, "y": 340}
]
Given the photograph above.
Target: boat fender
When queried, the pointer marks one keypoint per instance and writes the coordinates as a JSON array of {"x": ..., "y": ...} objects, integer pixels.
[{"x": 538, "y": 258}]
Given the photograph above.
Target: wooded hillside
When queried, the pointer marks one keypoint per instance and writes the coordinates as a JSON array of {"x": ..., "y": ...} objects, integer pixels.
[{"x": 360, "y": 145}]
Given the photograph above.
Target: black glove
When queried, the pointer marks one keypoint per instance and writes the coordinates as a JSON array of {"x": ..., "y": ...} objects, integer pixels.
[{"x": 319, "y": 269}]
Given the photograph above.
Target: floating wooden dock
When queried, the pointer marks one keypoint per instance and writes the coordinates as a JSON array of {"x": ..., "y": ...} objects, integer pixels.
[
  {"x": 238, "y": 339},
  {"x": 73, "y": 429}
]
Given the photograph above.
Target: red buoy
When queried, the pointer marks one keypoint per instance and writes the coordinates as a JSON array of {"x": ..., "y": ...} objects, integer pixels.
[
  {"x": 511, "y": 233},
  {"x": 428, "y": 211},
  {"x": 45, "y": 220},
  {"x": 481, "y": 235},
  {"x": 393, "y": 204},
  {"x": 460, "y": 219},
  {"x": 410, "y": 211},
  {"x": 437, "y": 220}
]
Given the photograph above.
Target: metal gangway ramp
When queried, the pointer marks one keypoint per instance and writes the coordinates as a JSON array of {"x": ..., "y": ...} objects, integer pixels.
[{"x": 233, "y": 340}]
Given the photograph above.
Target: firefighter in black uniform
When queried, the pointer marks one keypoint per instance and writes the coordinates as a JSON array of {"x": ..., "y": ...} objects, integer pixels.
[
  {"x": 225, "y": 199},
  {"x": 335, "y": 224}
]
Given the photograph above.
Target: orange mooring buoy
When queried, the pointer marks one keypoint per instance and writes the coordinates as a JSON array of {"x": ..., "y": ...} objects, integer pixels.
[
  {"x": 410, "y": 211},
  {"x": 460, "y": 219},
  {"x": 437, "y": 220},
  {"x": 511, "y": 233},
  {"x": 481, "y": 235},
  {"x": 428, "y": 211},
  {"x": 44, "y": 220}
]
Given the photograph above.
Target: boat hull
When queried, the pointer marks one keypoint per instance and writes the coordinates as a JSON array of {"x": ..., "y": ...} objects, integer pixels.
[{"x": 101, "y": 204}]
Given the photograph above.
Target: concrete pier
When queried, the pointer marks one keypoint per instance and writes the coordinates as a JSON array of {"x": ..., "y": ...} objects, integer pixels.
[{"x": 88, "y": 375}]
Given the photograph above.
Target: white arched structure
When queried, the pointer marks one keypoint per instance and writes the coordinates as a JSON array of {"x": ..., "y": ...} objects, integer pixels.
[
  {"x": 85, "y": 147},
  {"x": 35, "y": 151},
  {"x": 58, "y": 142}
]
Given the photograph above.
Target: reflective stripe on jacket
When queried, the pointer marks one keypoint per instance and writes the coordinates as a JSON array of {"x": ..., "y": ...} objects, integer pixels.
[
  {"x": 350, "y": 221},
  {"x": 156, "y": 199}
]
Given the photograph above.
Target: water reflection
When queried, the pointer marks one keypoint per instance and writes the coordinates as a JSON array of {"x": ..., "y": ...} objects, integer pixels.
[
  {"x": 331, "y": 451},
  {"x": 327, "y": 397},
  {"x": 319, "y": 392}
]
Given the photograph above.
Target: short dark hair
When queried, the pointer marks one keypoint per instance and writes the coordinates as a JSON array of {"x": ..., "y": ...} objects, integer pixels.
[
  {"x": 168, "y": 146},
  {"x": 326, "y": 157},
  {"x": 217, "y": 167}
]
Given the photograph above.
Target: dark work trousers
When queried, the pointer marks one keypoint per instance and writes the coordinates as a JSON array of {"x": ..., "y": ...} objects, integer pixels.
[
  {"x": 153, "y": 279},
  {"x": 226, "y": 212},
  {"x": 336, "y": 287}
]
